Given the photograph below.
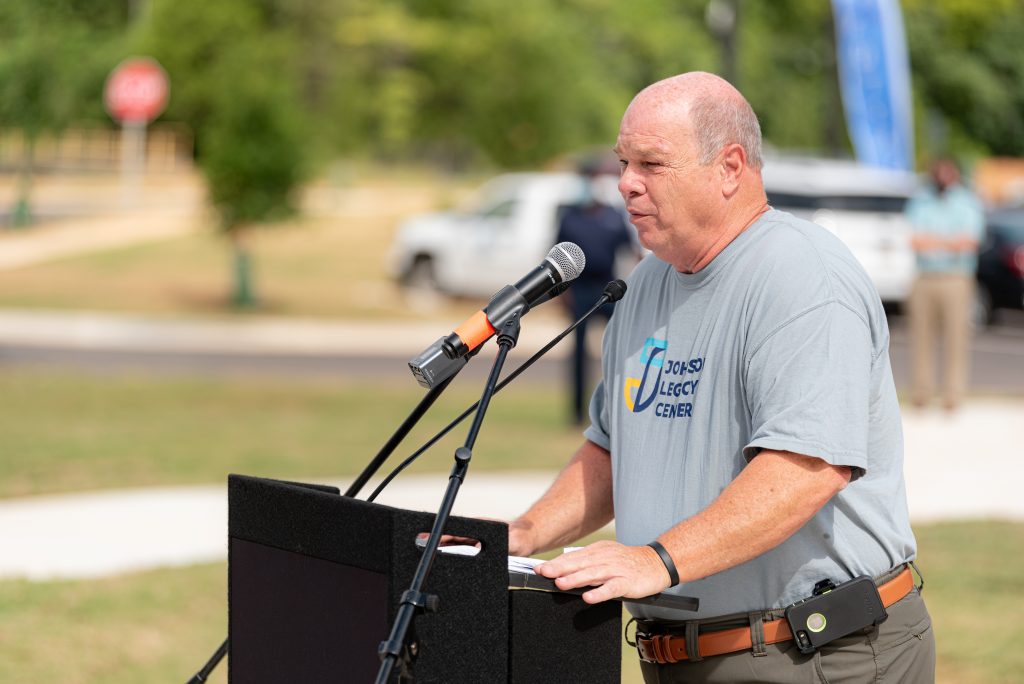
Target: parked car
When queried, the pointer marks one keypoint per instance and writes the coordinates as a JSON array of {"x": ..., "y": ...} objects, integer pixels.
[
  {"x": 862, "y": 206},
  {"x": 1000, "y": 265},
  {"x": 504, "y": 231}
]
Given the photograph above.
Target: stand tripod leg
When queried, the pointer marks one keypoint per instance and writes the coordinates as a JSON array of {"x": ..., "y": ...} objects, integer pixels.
[{"x": 204, "y": 673}]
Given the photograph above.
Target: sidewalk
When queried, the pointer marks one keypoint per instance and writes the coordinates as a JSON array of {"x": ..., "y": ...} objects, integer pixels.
[
  {"x": 90, "y": 330},
  {"x": 164, "y": 207},
  {"x": 957, "y": 467}
]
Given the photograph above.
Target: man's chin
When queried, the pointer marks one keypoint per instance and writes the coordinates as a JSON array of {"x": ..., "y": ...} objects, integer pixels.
[{"x": 647, "y": 234}]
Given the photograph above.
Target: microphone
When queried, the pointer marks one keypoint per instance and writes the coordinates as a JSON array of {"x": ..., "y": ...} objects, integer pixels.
[
  {"x": 445, "y": 357},
  {"x": 613, "y": 292}
]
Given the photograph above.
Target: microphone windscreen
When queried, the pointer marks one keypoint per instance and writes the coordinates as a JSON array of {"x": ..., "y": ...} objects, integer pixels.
[
  {"x": 569, "y": 259},
  {"x": 615, "y": 290}
]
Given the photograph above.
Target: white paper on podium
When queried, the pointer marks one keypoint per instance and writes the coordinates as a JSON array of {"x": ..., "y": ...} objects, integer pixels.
[
  {"x": 523, "y": 564},
  {"x": 515, "y": 563}
]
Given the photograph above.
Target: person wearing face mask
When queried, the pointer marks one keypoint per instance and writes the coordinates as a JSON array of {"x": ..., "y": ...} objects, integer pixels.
[
  {"x": 601, "y": 232},
  {"x": 948, "y": 221}
]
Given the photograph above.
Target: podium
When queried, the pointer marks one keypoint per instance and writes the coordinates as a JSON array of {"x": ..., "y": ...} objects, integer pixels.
[{"x": 315, "y": 579}]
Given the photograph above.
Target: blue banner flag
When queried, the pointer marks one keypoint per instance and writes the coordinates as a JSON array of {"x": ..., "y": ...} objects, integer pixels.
[{"x": 874, "y": 79}]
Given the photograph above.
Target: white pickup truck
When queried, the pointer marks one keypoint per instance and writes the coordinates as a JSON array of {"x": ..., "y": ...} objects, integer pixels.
[
  {"x": 862, "y": 206},
  {"x": 502, "y": 233},
  {"x": 511, "y": 222}
]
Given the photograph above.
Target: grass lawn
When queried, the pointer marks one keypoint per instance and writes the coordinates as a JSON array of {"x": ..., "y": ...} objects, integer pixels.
[
  {"x": 80, "y": 431},
  {"x": 160, "y": 626},
  {"x": 328, "y": 263}
]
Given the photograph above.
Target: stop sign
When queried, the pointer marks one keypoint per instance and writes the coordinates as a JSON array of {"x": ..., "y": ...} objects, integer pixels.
[{"x": 136, "y": 90}]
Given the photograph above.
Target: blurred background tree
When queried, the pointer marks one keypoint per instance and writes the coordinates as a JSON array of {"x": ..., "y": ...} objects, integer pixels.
[
  {"x": 254, "y": 159},
  {"x": 54, "y": 57},
  {"x": 469, "y": 84},
  {"x": 802, "y": 110},
  {"x": 464, "y": 83},
  {"x": 239, "y": 89},
  {"x": 968, "y": 75}
]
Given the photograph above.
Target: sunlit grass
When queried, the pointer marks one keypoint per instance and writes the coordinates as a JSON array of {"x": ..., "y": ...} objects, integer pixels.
[
  {"x": 161, "y": 626},
  {"x": 328, "y": 262},
  {"x": 65, "y": 432}
]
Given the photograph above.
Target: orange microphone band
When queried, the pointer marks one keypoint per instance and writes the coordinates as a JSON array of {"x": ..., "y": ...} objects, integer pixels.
[{"x": 474, "y": 331}]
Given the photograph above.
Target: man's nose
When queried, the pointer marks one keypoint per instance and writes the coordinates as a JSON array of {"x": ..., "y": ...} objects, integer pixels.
[{"x": 630, "y": 184}]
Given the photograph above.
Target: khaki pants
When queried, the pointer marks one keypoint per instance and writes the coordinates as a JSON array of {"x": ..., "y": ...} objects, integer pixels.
[
  {"x": 900, "y": 650},
  {"x": 940, "y": 308}
]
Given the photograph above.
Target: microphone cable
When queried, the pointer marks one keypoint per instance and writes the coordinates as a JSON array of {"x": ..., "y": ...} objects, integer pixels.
[{"x": 613, "y": 292}]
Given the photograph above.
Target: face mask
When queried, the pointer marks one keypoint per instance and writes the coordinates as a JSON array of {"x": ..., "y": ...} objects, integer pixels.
[{"x": 587, "y": 195}]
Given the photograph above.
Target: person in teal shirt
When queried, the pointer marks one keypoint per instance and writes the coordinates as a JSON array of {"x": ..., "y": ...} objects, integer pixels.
[{"x": 948, "y": 221}]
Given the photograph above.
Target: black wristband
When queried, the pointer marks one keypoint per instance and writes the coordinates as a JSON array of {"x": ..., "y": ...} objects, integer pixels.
[{"x": 673, "y": 574}]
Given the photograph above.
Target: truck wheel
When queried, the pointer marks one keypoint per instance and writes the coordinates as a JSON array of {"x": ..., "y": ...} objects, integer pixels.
[{"x": 421, "y": 276}]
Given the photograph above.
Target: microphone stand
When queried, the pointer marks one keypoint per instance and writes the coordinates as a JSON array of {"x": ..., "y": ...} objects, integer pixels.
[{"x": 414, "y": 601}]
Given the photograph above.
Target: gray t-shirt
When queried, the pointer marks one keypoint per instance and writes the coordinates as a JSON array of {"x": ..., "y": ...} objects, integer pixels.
[{"x": 780, "y": 343}]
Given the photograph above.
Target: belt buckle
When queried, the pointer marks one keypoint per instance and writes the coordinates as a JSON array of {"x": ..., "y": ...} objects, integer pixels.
[{"x": 649, "y": 638}]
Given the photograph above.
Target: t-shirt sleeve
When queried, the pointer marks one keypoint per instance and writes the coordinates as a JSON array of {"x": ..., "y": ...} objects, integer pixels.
[
  {"x": 975, "y": 219},
  {"x": 598, "y": 432},
  {"x": 807, "y": 387}
]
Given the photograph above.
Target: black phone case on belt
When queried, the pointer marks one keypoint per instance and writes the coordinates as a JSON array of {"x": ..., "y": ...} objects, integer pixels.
[{"x": 817, "y": 620}]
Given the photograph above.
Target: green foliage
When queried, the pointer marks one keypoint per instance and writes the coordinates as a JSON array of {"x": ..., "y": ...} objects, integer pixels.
[
  {"x": 801, "y": 110},
  {"x": 54, "y": 55},
  {"x": 253, "y": 145},
  {"x": 460, "y": 82},
  {"x": 968, "y": 67},
  {"x": 234, "y": 77},
  {"x": 54, "y": 58}
]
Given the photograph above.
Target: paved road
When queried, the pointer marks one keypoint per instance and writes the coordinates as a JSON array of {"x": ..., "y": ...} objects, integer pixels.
[
  {"x": 997, "y": 356},
  {"x": 111, "y": 342}
]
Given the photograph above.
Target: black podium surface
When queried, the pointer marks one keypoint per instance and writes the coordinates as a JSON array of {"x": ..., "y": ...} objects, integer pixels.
[{"x": 315, "y": 578}]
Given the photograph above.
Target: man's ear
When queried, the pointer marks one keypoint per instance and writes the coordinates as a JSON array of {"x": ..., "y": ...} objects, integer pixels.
[{"x": 733, "y": 165}]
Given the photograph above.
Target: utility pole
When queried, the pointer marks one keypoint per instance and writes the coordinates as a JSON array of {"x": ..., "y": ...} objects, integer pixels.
[{"x": 722, "y": 17}]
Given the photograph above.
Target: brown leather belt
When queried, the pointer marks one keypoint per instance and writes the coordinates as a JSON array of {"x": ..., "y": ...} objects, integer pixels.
[{"x": 669, "y": 648}]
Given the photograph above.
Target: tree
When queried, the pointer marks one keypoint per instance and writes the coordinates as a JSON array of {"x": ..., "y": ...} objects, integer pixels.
[
  {"x": 968, "y": 68},
  {"x": 253, "y": 160},
  {"x": 469, "y": 81},
  {"x": 235, "y": 76},
  {"x": 788, "y": 72},
  {"x": 53, "y": 56}
]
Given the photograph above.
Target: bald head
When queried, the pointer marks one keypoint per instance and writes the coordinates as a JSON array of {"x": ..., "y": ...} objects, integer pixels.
[
  {"x": 690, "y": 156},
  {"x": 717, "y": 113}
]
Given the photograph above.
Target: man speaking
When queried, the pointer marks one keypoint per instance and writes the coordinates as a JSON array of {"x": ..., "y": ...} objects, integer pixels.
[{"x": 746, "y": 436}]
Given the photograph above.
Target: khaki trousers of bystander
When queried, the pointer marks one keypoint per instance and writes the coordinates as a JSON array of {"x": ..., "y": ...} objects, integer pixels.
[{"x": 939, "y": 309}]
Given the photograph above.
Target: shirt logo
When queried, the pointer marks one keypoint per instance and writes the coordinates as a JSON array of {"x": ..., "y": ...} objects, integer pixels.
[{"x": 664, "y": 384}]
